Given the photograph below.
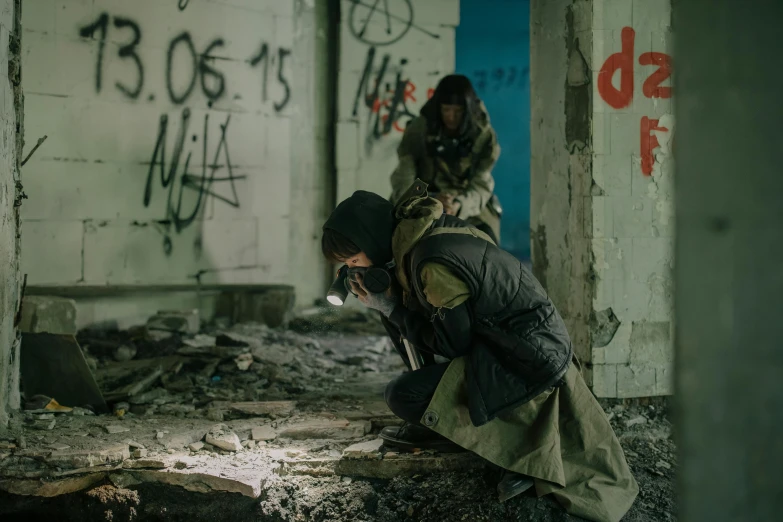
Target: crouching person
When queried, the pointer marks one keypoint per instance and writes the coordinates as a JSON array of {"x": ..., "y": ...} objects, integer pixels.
[{"x": 511, "y": 391}]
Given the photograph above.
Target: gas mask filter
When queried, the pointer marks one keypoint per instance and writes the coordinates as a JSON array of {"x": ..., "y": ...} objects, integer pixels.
[{"x": 376, "y": 280}]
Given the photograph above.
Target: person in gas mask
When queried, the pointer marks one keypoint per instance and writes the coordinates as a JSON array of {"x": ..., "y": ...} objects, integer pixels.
[
  {"x": 452, "y": 147},
  {"x": 511, "y": 390}
]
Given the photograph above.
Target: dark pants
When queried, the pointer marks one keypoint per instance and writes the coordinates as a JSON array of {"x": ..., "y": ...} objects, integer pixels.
[{"x": 409, "y": 394}]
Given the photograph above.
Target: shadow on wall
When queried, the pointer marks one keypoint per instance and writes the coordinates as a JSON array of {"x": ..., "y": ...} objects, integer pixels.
[{"x": 493, "y": 50}]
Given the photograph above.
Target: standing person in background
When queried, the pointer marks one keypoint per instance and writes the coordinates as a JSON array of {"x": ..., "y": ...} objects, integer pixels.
[{"x": 452, "y": 147}]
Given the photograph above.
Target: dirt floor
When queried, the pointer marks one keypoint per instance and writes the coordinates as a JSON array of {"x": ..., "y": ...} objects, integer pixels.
[{"x": 249, "y": 423}]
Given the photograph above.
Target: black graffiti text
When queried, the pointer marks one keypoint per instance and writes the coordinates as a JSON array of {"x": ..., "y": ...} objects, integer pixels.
[
  {"x": 181, "y": 55},
  {"x": 169, "y": 169},
  {"x": 387, "y": 103},
  {"x": 263, "y": 58}
]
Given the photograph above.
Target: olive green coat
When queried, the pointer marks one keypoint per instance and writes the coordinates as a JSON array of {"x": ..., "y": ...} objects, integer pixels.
[
  {"x": 471, "y": 181},
  {"x": 562, "y": 438}
]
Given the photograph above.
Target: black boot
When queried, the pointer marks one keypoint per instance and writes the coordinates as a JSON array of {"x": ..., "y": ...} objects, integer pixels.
[
  {"x": 410, "y": 436},
  {"x": 512, "y": 484}
]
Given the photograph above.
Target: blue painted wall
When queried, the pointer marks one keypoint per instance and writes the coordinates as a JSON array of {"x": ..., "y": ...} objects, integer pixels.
[{"x": 493, "y": 50}]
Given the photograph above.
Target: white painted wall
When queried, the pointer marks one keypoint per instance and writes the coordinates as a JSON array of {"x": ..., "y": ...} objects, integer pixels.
[
  {"x": 99, "y": 213},
  {"x": 418, "y": 39},
  {"x": 632, "y": 205}
]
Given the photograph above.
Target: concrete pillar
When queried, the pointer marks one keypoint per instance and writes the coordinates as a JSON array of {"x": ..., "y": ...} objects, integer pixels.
[
  {"x": 10, "y": 197},
  {"x": 601, "y": 184},
  {"x": 729, "y": 253}
]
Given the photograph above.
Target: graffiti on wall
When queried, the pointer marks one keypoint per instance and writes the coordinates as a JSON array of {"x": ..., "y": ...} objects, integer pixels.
[
  {"x": 388, "y": 97},
  {"x": 620, "y": 98},
  {"x": 501, "y": 78},
  {"x": 171, "y": 169},
  {"x": 188, "y": 178},
  {"x": 378, "y": 25},
  {"x": 181, "y": 55}
]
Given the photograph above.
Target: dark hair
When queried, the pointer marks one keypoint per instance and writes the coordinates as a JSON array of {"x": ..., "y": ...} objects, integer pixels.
[
  {"x": 336, "y": 247},
  {"x": 456, "y": 89}
]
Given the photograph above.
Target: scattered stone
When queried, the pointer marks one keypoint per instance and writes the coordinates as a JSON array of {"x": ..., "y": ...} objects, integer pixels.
[
  {"x": 124, "y": 353},
  {"x": 57, "y": 446},
  {"x": 115, "y": 428},
  {"x": 243, "y": 361},
  {"x": 121, "y": 408},
  {"x": 81, "y": 412},
  {"x": 7, "y": 445},
  {"x": 636, "y": 420},
  {"x": 185, "y": 321},
  {"x": 263, "y": 433},
  {"x": 159, "y": 435},
  {"x": 45, "y": 416},
  {"x": 139, "y": 453},
  {"x": 215, "y": 414},
  {"x": 222, "y": 437},
  {"x": 663, "y": 464},
  {"x": 133, "y": 444},
  {"x": 363, "y": 450},
  {"x": 195, "y": 446},
  {"x": 249, "y": 444}
]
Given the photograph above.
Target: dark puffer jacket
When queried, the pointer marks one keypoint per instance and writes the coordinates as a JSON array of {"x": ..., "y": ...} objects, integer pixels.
[{"x": 520, "y": 346}]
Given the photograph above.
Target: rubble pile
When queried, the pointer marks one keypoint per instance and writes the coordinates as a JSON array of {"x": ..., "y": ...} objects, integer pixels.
[
  {"x": 265, "y": 422},
  {"x": 168, "y": 367}
]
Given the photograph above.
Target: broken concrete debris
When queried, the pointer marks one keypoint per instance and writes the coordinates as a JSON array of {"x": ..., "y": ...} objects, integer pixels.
[
  {"x": 185, "y": 322},
  {"x": 263, "y": 433},
  {"x": 222, "y": 437}
]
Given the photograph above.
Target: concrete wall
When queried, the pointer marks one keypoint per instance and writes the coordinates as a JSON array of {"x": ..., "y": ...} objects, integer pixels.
[
  {"x": 602, "y": 175},
  {"x": 10, "y": 194},
  {"x": 185, "y": 142},
  {"x": 633, "y": 225},
  {"x": 386, "y": 73}
]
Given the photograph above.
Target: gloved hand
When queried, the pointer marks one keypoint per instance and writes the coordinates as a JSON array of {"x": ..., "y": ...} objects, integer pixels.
[{"x": 383, "y": 302}]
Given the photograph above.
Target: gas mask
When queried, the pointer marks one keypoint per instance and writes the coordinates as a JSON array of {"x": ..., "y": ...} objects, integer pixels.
[{"x": 376, "y": 280}]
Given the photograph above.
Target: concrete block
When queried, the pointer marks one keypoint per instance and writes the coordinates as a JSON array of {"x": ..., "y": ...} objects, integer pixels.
[
  {"x": 651, "y": 343},
  {"x": 612, "y": 174},
  {"x": 652, "y": 256},
  {"x": 612, "y": 14},
  {"x": 630, "y": 217},
  {"x": 325, "y": 429},
  {"x": 605, "y": 380},
  {"x": 348, "y": 143},
  {"x": 651, "y": 15},
  {"x": 48, "y": 314},
  {"x": 612, "y": 258},
  {"x": 263, "y": 433},
  {"x": 664, "y": 380},
  {"x": 395, "y": 465},
  {"x": 364, "y": 450},
  {"x": 635, "y": 381},
  {"x": 625, "y": 134},
  {"x": 52, "y": 252},
  {"x": 618, "y": 351}
]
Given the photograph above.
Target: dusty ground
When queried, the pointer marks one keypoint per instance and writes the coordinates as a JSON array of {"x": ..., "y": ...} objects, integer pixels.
[{"x": 290, "y": 403}]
